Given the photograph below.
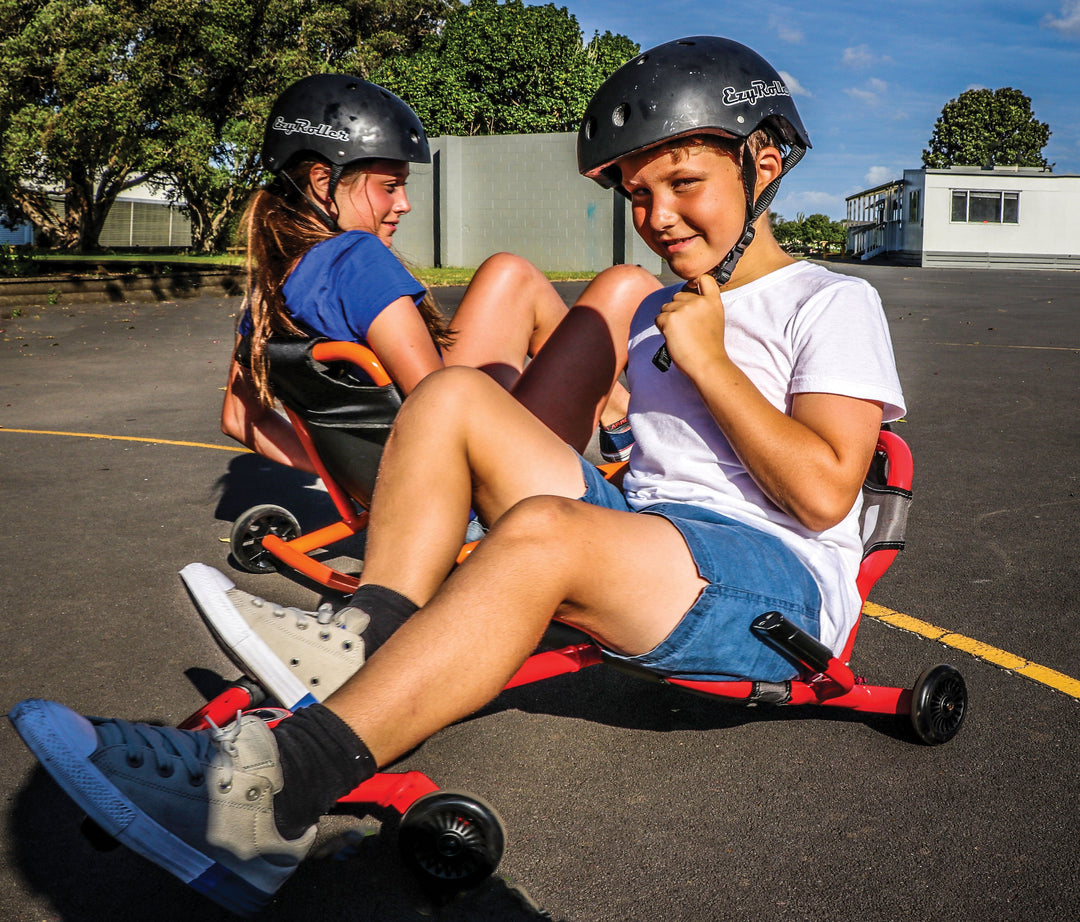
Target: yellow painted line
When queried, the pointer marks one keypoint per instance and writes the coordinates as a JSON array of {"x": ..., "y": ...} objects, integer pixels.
[
  {"x": 129, "y": 438},
  {"x": 1050, "y": 677},
  {"x": 1007, "y": 346}
]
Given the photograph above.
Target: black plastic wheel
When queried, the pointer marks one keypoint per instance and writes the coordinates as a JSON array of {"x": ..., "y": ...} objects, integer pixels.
[
  {"x": 248, "y": 532},
  {"x": 454, "y": 841},
  {"x": 938, "y": 704}
]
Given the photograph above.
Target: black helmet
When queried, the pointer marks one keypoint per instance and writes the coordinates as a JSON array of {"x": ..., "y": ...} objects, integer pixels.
[
  {"x": 692, "y": 86},
  {"x": 697, "y": 85},
  {"x": 340, "y": 119}
]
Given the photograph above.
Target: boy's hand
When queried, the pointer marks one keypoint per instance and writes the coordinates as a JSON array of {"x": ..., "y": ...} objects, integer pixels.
[{"x": 692, "y": 324}]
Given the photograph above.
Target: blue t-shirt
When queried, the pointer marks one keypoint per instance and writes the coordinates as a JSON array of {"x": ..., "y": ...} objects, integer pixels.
[{"x": 342, "y": 284}]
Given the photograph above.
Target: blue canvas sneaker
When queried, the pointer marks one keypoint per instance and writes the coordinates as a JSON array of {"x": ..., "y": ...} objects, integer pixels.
[{"x": 199, "y": 804}]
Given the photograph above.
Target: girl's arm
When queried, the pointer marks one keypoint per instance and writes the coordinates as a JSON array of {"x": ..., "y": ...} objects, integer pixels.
[
  {"x": 259, "y": 427},
  {"x": 401, "y": 340},
  {"x": 811, "y": 464}
]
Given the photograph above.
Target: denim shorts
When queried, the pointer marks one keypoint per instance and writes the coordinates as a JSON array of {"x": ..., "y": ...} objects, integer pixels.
[{"x": 749, "y": 573}]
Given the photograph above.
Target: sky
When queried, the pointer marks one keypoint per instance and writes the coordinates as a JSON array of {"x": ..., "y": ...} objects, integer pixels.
[{"x": 870, "y": 78}]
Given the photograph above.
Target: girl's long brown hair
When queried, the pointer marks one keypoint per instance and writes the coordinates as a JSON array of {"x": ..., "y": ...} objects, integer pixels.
[{"x": 279, "y": 226}]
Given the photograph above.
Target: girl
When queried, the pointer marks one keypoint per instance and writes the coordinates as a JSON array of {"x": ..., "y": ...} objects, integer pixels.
[{"x": 320, "y": 264}]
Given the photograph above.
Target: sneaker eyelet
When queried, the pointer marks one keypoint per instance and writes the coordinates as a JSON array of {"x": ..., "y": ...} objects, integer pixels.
[
  {"x": 196, "y": 781},
  {"x": 165, "y": 771},
  {"x": 301, "y": 625},
  {"x": 346, "y": 645},
  {"x": 279, "y": 612},
  {"x": 324, "y": 635},
  {"x": 252, "y": 794},
  {"x": 294, "y": 662},
  {"x": 225, "y": 787},
  {"x": 135, "y": 761}
]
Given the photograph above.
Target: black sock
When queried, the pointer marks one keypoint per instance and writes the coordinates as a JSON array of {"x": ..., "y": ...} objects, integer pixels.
[
  {"x": 387, "y": 609},
  {"x": 321, "y": 760}
]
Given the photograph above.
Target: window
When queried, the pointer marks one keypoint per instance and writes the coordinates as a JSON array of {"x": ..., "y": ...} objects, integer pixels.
[
  {"x": 913, "y": 206},
  {"x": 978, "y": 207}
]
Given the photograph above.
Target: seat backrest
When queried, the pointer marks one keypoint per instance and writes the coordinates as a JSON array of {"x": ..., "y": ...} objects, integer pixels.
[
  {"x": 346, "y": 401},
  {"x": 886, "y": 501}
]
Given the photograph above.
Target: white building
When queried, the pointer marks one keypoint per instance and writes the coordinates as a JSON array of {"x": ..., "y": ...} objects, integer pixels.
[
  {"x": 140, "y": 217},
  {"x": 1005, "y": 217}
]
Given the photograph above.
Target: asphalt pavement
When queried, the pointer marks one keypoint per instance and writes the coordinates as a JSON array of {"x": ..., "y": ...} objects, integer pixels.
[{"x": 623, "y": 801}]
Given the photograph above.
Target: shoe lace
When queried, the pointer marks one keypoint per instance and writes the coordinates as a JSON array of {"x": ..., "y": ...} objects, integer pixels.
[{"x": 194, "y": 748}]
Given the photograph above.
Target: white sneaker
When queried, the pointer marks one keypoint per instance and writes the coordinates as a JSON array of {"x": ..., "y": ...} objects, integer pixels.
[
  {"x": 200, "y": 804},
  {"x": 299, "y": 657}
]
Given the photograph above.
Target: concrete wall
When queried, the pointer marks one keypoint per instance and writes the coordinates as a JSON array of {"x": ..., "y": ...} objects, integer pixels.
[{"x": 520, "y": 193}]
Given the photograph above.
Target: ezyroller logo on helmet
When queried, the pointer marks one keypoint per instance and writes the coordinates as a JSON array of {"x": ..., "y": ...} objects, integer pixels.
[
  {"x": 303, "y": 126},
  {"x": 758, "y": 89}
]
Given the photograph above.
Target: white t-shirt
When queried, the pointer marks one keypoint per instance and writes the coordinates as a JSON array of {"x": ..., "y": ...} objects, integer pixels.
[{"x": 800, "y": 329}]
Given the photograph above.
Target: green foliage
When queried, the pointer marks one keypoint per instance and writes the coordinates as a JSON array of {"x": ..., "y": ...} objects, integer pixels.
[
  {"x": 14, "y": 263},
  {"x": 223, "y": 62},
  {"x": 981, "y": 127},
  {"x": 817, "y": 233},
  {"x": 504, "y": 68},
  {"x": 72, "y": 115},
  {"x": 98, "y": 97}
]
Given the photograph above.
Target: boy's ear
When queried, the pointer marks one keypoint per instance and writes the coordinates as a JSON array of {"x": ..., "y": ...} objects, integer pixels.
[{"x": 769, "y": 162}]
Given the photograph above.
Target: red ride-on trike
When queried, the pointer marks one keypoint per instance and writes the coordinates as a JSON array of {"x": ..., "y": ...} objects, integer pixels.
[{"x": 454, "y": 839}]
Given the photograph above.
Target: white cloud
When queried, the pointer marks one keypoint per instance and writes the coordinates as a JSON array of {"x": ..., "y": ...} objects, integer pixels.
[
  {"x": 796, "y": 88},
  {"x": 1069, "y": 21},
  {"x": 785, "y": 29},
  {"x": 871, "y": 93},
  {"x": 810, "y": 202},
  {"x": 877, "y": 175},
  {"x": 861, "y": 57}
]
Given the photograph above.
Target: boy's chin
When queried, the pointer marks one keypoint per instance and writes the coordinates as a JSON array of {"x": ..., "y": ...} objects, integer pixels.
[{"x": 688, "y": 270}]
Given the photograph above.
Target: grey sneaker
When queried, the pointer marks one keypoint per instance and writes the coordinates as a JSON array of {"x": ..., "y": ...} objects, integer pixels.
[
  {"x": 299, "y": 657},
  {"x": 199, "y": 804}
]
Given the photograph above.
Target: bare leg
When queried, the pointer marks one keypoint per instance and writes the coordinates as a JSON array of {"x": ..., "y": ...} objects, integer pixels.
[
  {"x": 511, "y": 310},
  {"x": 573, "y": 382},
  {"x": 541, "y": 559},
  {"x": 447, "y": 453},
  {"x": 508, "y": 312}
]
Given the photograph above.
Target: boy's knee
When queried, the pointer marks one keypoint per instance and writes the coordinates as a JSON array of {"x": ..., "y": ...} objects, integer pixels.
[
  {"x": 448, "y": 389},
  {"x": 540, "y": 521}
]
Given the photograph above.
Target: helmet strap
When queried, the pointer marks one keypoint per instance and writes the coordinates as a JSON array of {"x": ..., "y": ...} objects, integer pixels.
[
  {"x": 330, "y": 222},
  {"x": 754, "y": 209}
]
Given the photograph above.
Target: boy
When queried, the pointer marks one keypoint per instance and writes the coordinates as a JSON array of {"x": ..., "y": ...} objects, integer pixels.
[{"x": 750, "y": 453}]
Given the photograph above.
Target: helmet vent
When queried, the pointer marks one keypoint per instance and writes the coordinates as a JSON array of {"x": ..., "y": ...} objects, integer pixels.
[
  {"x": 643, "y": 59},
  {"x": 620, "y": 115},
  {"x": 590, "y": 127}
]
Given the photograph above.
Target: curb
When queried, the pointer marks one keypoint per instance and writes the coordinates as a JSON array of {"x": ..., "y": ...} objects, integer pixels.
[{"x": 129, "y": 286}]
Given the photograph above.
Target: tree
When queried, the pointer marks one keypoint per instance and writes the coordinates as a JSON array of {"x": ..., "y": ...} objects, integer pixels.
[
  {"x": 72, "y": 114},
  {"x": 503, "y": 68},
  {"x": 981, "y": 127},
  {"x": 222, "y": 64},
  {"x": 98, "y": 97},
  {"x": 817, "y": 232}
]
